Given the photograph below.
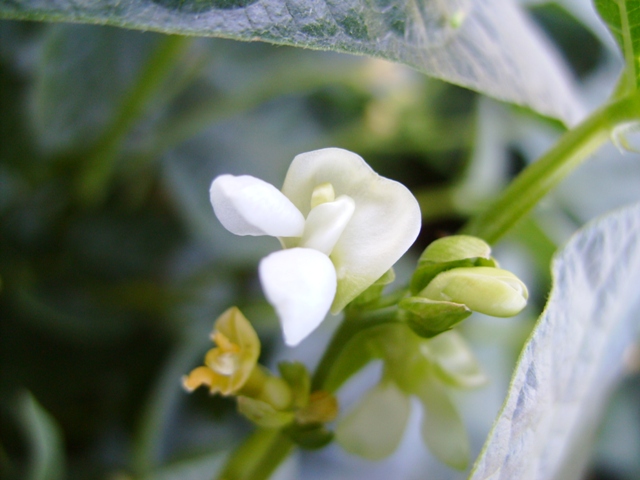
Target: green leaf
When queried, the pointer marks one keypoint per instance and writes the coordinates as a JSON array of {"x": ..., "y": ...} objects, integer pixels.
[
  {"x": 573, "y": 359},
  {"x": 623, "y": 19},
  {"x": 47, "y": 461},
  {"x": 487, "y": 46}
]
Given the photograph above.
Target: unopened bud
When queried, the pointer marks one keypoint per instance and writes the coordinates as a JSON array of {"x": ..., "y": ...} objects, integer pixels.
[{"x": 487, "y": 290}]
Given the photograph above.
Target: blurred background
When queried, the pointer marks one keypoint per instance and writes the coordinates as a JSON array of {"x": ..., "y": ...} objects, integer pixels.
[{"x": 113, "y": 266}]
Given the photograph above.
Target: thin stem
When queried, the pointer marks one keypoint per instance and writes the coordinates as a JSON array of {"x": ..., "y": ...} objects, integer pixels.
[
  {"x": 258, "y": 457},
  {"x": 100, "y": 162},
  {"x": 353, "y": 323},
  {"x": 540, "y": 177}
]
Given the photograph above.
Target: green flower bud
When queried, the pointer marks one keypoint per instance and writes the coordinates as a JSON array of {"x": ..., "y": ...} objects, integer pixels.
[
  {"x": 487, "y": 290},
  {"x": 450, "y": 252}
]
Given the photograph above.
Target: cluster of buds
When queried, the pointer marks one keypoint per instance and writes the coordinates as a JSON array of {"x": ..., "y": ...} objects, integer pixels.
[
  {"x": 423, "y": 357},
  {"x": 456, "y": 276}
]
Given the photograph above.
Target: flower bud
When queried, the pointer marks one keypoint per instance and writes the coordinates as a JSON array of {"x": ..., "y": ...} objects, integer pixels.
[
  {"x": 450, "y": 252},
  {"x": 487, "y": 290}
]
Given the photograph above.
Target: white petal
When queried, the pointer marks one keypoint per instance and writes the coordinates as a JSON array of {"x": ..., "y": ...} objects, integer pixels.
[
  {"x": 246, "y": 205},
  {"x": 300, "y": 283},
  {"x": 326, "y": 222},
  {"x": 385, "y": 223}
]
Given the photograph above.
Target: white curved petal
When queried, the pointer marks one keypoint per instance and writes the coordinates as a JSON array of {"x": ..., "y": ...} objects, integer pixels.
[
  {"x": 326, "y": 222},
  {"x": 300, "y": 283},
  {"x": 246, "y": 205},
  {"x": 385, "y": 223}
]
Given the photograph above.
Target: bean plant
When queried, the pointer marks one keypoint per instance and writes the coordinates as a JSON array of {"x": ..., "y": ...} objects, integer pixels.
[{"x": 252, "y": 239}]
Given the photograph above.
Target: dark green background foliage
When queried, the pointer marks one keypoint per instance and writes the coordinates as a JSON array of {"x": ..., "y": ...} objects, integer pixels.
[{"x": 112, "y": 264}]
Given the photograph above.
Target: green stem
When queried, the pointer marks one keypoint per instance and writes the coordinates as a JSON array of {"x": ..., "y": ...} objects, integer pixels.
[
  {"x": 99, "y": 165},
  {"x": 258, "y": 457},
  {"x": 353, "y": 323},
  {"x": 540, "y": 177}
]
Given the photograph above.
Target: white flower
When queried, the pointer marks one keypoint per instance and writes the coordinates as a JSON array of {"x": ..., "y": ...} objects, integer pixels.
[{"x": 342, "y": 227}]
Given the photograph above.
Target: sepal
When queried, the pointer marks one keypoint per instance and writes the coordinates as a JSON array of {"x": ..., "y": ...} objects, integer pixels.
[
  {"x": 297, "y": 377},
  {"x": 310, "y": 436},
  {"x": 428, "y": 318},
  {"x": 263, "y": 414},
  {"x": 322, "y": 407},
  {"x": 374, "y": 292}
]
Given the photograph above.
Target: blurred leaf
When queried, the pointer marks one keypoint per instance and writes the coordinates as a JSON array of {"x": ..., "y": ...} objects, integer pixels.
[
  {"x": 623, "y": 19},
  {"x": 489, "y": 46},
  {"x": 83, "y": 74},
  {"x": 154, "y": 427},
  {"x": 573, "y": 359},
  {"x": 47, "y": 458}
]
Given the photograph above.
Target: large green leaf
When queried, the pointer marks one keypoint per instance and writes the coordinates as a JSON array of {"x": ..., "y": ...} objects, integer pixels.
[
  {"x": 574, "y": 357},
  {"x": 623, "y": 19},
  {"x": 486, "y": 45}
]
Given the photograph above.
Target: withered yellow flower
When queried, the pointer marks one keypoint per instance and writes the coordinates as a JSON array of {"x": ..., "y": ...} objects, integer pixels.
[{"x": 229, "y": 365}]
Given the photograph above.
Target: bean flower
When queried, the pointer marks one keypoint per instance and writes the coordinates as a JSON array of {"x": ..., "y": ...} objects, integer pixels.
[{"x": 341, "y": 226}]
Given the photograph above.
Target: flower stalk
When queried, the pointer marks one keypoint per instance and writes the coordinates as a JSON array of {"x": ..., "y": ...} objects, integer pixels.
[{"x": 575, "y": 146}]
